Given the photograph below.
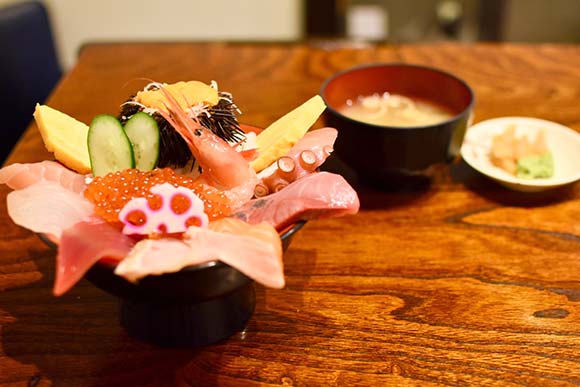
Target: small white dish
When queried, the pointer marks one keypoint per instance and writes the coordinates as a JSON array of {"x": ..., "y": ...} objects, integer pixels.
[{"x": 563, "y": 142}]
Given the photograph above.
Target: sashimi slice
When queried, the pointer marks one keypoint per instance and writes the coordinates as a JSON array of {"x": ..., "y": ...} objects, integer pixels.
[
  {"x": 318, "y": 195},
  {"x": 156, "y": 256},
  {"x": 46, "y": 207},
  {"x": 19, "y": 176},
  {"x": 82, "y": 245},
  {"x": 254, "y": 250}
]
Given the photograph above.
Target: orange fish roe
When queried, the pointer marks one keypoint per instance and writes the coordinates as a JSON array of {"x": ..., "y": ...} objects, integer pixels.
[{"x": 111, "y": 192}]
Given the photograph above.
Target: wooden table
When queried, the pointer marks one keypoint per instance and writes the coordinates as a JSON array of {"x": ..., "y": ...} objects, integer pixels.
[{"x": 461, "y": 284}]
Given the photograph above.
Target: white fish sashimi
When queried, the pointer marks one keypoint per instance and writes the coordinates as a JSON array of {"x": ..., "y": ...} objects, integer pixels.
[
  {"x": 19, "y": 176},
  {"x": 155, "y": 257},
  {"x": 47, "y": 207},
  {"x": 255, "y": 250}
]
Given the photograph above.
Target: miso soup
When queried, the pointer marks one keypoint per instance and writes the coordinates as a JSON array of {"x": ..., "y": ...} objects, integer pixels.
[{"x": 395, "y": 110}]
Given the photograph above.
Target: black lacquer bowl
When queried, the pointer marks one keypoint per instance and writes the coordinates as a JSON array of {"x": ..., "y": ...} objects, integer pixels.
[
  {"x": 195, "y": 306},
  {"x": 378, "y": 152}
]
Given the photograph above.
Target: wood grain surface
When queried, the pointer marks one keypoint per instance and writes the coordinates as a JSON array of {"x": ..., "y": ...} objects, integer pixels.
[{"x": 461, "y": 283}]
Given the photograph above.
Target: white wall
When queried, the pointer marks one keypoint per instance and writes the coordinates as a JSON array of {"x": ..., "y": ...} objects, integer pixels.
[{"x": 76, "y": 22}]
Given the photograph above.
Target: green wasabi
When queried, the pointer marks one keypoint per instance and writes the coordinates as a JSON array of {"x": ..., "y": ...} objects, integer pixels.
[{"x": 536, "y": 166}]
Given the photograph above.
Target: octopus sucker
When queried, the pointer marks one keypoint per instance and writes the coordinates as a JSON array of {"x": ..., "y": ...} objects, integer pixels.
[{"x": 303, "y": 159}]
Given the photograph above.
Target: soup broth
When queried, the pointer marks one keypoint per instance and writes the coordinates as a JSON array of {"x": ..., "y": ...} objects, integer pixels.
[{"x": 395, "y": 110}]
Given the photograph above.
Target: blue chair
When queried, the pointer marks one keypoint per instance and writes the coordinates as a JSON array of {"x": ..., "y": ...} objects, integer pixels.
[{"x": 29, "y": 68}]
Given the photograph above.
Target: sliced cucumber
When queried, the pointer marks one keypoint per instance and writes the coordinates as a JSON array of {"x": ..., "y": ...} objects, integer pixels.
[
  {"x": 109, "y": 147},
  {"x": 143, "y": 132}
]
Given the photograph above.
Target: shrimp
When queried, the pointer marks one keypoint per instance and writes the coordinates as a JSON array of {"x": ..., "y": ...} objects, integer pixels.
[{"x": 222, "y": 166}]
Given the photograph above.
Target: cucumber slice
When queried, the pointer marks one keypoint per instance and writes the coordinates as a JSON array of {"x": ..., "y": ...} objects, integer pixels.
[
  {"x": 143, "y": 132},
  {"x": 109, "y": 147}
]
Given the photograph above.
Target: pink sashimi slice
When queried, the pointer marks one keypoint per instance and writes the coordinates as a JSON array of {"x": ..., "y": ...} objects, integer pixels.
[
  {"x": 254, "y": 250},
  {"x": 318, "y": 195},
  {"x": 262, "y": 259},
  {"x": 18, "y": 176},
  {"x": 46, "y": 207},
  {"x": 84, "y": 244}
]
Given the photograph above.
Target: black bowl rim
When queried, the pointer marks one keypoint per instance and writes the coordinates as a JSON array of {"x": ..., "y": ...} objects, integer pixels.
[
  {"x": 288, "y": 233},
  {"x": 456, "y": 117}
]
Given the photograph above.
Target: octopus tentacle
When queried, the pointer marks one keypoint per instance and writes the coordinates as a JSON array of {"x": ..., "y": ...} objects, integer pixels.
[
  {"x": 289, "y": 169},
  {"x": 303, "y": 159}
]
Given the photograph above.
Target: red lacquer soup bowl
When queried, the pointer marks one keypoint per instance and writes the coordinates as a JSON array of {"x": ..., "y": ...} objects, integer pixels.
[{"x": 378, "y": 151}]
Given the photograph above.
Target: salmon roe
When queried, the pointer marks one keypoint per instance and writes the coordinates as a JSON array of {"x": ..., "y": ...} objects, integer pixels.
[{"x": 111, "y": 192}]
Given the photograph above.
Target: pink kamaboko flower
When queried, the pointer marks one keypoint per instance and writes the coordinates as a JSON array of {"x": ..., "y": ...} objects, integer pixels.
[{"x": 180, "y": 209}]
